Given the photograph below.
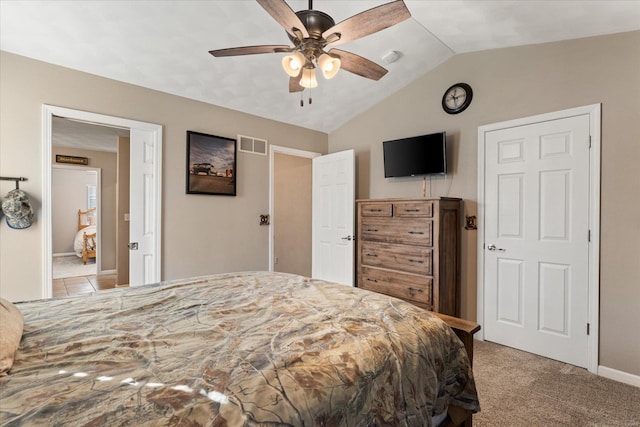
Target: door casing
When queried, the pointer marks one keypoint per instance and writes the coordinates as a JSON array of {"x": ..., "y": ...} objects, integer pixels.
[
  {"x": 48, "y": 112},
  {"x": 594, "y": 112}
]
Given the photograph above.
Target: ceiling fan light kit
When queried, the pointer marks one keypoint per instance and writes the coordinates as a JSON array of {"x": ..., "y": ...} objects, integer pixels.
[
  {"x": 329, "y": 65},
  {"x": 311, "y": 31},
  {"x": 292, "y": 64},
  {"x": 308, "y": 79}
]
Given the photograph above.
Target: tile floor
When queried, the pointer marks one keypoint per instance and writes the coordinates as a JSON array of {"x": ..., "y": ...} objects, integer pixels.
[{"x": 70, "y": 286}]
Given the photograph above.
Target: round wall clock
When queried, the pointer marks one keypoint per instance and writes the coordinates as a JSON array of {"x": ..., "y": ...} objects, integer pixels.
[{"x": 457, "y": 98}]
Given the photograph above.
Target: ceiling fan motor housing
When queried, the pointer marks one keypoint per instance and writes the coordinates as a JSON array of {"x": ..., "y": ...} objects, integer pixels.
[{"x": 316, "y": 23}]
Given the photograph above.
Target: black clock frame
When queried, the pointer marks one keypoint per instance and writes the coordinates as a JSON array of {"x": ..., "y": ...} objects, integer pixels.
[{"x": 467, "y": 100}]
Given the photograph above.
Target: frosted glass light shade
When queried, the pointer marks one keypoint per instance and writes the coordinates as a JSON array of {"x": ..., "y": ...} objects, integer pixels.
[
  {"x": 329, "y": 65},
  {"x": 292, "y": 64},
  {"x": 308, "y": 78}
]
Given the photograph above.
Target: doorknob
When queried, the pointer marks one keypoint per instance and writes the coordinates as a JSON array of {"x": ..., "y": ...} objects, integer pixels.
[
  {"x": 492, "y": 247},
  {"x": 349, "y": 238},
  {"x": 133, "y": 246}
]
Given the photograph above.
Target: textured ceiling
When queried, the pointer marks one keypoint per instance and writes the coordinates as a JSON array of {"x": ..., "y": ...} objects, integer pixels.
[
  {"x": 163, "y": 45},
  {"x": 85, "y": 136}
]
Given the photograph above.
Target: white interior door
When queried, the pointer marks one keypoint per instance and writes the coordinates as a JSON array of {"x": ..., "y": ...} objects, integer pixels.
[
  {"x": 333, "y": 236},
  {"x": 144, "y": 252},
  {"x": 536, "y": 238}
]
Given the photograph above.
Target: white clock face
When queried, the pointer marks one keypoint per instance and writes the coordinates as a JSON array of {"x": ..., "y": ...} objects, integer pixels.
[{"x": 455, "y": 98}]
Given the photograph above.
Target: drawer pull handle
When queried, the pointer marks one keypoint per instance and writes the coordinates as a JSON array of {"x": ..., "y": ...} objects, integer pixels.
[
  {"x": 416, "y": 261},
  {"x": 412, "y": 290},
  {"x": 416, "y": 232},
  {"x": 372, "y": 229},
  {"x": 375, "y": 210},
  {"x": 373, "y": 255},
  {"x": 372, "y": 280},
  {"x": 412, "y": 210}
]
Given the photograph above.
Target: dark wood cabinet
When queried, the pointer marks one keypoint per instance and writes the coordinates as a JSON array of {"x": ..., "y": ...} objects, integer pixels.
[{"x": 410, "y": 249}]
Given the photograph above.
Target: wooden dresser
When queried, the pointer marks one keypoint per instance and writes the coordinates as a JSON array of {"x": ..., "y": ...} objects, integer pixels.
[{"x": 410, "y": 249}]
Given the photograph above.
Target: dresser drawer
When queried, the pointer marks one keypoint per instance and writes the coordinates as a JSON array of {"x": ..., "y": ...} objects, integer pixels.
[
  {"x": 413, "y": 209},
  {"x": 376, "y": 209},
  {"x": 412, "y": 259},
  {"x": 405, "y": 286},
  {"x": 396, "y": 230}
]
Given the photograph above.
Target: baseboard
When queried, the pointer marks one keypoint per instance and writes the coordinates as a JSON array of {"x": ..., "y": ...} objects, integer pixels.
[
  {"x": 64, "y": 254},
  {"x": 620, "y": 376},
  {"x": 103, "y": 272}
]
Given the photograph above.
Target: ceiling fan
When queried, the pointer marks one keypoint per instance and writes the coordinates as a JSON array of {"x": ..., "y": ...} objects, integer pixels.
[{"x": 311, "y": 31}]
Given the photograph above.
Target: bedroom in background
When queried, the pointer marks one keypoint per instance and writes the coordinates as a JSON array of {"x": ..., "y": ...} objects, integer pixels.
[
  {"x": 84, "y": 206},
  {"x": 74, "y": 189}
]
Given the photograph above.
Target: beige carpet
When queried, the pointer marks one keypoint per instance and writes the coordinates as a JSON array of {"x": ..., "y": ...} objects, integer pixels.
[
  {"x": 521, "y": 389},
  {"x": 71, "y": 266}
]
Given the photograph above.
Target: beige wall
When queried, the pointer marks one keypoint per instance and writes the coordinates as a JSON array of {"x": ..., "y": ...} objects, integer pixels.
[
  {"x": 201, "y": 234},
  {"x": 292, "y": 214},
  {"x": 519, "y": 82},
  {"x": 107, "y": 163}
]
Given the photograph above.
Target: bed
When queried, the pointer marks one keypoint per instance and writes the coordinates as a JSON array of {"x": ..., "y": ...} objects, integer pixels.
[
  {"x": 84, "y": 243},
  {"x": 237, "y": 349}
]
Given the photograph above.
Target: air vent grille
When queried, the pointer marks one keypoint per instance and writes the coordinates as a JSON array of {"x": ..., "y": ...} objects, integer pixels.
[{"x": 249, "y": 144}]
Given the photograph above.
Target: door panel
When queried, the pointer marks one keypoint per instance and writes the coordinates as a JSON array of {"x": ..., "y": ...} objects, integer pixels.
[
  {"x": 510, "y": 291},
  {"x": 143, "y": 260},
  {"x": 333, "y": 217},
  {"x": 536, "y": 238}
]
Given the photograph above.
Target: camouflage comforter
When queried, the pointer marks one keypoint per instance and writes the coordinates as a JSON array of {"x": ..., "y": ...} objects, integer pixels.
[{"x": 232, "y": 350}]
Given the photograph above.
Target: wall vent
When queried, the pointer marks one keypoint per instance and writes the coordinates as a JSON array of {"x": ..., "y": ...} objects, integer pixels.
[{"x": 249, "y": 144}]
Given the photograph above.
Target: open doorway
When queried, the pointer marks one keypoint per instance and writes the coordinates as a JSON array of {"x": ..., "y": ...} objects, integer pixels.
[
  {"x": 84, "y": 204},
  {"x": 145, "y": 185},
  {"x": 290, "y": 238},
  {"x": 76, "y": 207}
]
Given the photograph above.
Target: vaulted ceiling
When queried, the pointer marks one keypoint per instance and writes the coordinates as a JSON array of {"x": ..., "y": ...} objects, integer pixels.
[{"x": 163, "y": 45}]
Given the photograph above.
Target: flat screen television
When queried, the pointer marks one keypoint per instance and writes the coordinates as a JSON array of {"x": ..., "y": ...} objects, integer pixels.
[{"x": 418, "y": 155}]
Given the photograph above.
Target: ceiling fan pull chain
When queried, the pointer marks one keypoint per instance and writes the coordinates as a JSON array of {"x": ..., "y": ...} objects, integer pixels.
[{"x": 301, "y": 100}]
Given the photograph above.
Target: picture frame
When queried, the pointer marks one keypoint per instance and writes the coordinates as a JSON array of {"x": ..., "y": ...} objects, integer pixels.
[{"x": 211, "y": 164}]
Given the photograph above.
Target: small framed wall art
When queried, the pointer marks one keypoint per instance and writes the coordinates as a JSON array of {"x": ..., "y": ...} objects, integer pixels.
[
  {"x": 211, "y": 164},
  {"x": 74, "y": 160}
]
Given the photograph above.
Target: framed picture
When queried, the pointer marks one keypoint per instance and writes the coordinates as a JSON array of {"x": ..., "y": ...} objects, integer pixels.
[
  {"x": 211, "y": 164},
  {"x": 75, "y": 160}
]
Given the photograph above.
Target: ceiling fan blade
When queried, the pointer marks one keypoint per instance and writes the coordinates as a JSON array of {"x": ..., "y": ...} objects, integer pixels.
[
  {"x": 284, "y": 15},
  {"x": 369, "y": 22},
  {"x": 358, "y": 65},
  {"x": 250, "y": 50},
  {"x": 294, "y": 84}
]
